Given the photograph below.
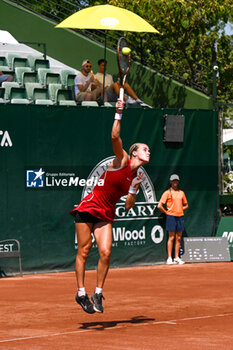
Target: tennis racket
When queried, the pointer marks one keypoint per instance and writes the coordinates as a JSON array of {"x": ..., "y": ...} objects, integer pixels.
[{"x": 123, "y": 61}]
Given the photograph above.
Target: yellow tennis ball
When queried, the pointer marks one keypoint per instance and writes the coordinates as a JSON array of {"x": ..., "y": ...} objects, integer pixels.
[{"x": 126, "y": 50}]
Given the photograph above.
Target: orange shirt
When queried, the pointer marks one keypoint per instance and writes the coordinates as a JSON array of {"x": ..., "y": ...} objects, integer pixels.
[{"x": 174, "y": 201}]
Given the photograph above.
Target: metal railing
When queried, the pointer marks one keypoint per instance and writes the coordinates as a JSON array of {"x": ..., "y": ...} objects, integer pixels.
[
  {"x": 154, "y": 55},
  {"x": 56, "y": 10}
]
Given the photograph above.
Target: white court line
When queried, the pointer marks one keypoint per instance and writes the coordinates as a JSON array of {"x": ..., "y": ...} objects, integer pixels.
[
  {"x": 166, "y": 322},
  {"x": 117, "y": 327},
  {"x": 193, "y": 318},
  {"x": 53, "y": 335}
]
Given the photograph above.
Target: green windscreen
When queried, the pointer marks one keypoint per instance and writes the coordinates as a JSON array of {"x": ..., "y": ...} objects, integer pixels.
[{"x": 51, "y": 156}]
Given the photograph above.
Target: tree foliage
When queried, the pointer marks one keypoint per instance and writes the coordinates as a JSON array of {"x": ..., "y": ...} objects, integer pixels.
[
  {"x": 184, "y": 47},
  {"x": 188, "y": 30}
]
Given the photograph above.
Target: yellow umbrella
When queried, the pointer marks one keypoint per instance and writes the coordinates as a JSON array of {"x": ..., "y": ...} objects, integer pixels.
[{"x": 107, "y": 17}]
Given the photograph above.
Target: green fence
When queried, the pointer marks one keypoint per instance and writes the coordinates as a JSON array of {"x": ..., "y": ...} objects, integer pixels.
[{"x": 47, "y": 154}]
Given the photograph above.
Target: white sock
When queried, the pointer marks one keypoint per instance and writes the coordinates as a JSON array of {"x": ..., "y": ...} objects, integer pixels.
[
  {"x": 81, "y": 292},
  {"x": 98, "y": 290}
]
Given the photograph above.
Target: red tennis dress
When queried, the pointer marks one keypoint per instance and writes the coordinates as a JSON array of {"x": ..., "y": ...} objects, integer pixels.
[{"x": 101, "y": 202}]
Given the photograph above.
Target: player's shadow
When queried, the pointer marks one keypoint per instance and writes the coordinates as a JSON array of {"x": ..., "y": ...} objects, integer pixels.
[{"x": 101, "y": 325}]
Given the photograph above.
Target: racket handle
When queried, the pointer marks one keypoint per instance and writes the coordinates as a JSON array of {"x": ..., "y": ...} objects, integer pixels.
[{"x": 121, "y": 97}]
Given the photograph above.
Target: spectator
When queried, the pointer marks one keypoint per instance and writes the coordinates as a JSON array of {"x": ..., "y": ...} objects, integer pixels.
[
  {"x": 100, "y": 75},
  {"x": 113, "y": 89},
  {"x": 86, "y": 88},
  {"x": 5, "y": 77},
  {"x": 176, "y": 203}
]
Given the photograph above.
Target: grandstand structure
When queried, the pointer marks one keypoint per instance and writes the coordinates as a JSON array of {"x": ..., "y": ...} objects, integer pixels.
[
  {"x": 156, "y": 88},
  {"x": 37, "y": 79},
  {"x": 165, "y": 56}
]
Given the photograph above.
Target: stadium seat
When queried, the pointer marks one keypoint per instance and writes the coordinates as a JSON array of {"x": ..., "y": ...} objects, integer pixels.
[
  {"x": 5, "y": 69},
  {"x": 29, "y": 77},
  {"x": 30, "y": 89},
  {"x": 10, "y": 57},
  {"x": 52, "y": 78},
  {"x": 2, "y": 93},
  {"x": 3, "y": 61},
  {"x": 36, "y": 62},
  {"x": 46, "y": 76},
  {"x": 67, "y": 103},
  {"x": 67, "y": 77},
  {"x": 17, "y": 92},
  {"x": 64, "y": 98},
  {"x": 44, "y": 102},
  {"x": 23, "y": 101},
  {"x": 109, "y": 104},
  {"x": 90, "y": 104},
  {"x": 18, "y": 95},
  {"x": 14, "y": 60},
  {"x": 3, "y": 64},
  {"x": 7, "y": 85},
  {"x": 52, "y": 90},
  {"x": 19, "y": 73},
  {"x": 41, "y": 96}
]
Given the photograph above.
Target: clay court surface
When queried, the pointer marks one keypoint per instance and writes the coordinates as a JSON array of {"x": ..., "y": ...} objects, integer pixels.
[{"x": 153, "y": 308}]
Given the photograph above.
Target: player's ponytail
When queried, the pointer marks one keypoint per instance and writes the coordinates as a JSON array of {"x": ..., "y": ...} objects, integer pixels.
[{"x": 133, "y": 148}]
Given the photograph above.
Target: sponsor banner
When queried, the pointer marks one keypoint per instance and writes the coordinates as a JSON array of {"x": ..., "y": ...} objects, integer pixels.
[
  {"x": 141, "y": 236},
  {"x": 86, "y": 177},
  {"x": 61, "y": 178},
  {"x": 5, "y": 139},
  {"x": 225, "y": 229}
]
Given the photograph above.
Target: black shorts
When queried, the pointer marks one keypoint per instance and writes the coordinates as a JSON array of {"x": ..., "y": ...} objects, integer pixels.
[
  {"x": 85, "y": 217},
  {"x": 174, "y": 223}
]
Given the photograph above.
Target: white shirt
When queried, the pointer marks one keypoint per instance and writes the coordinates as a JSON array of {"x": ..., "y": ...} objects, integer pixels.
[
  {"x": 81, "y": 79},
  {"x": 108, "y": 79}
]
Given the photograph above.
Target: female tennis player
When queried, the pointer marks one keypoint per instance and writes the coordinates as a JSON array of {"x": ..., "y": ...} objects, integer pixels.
[{"x": 96, "y": 211}]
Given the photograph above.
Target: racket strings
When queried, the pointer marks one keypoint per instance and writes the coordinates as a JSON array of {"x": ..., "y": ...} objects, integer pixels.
[{"x": 124, "y": 60}]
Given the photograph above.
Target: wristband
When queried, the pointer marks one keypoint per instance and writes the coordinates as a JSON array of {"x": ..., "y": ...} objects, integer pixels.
[
  {"x": 118, "y": 116},
  {"x": 132, "y": 190}
]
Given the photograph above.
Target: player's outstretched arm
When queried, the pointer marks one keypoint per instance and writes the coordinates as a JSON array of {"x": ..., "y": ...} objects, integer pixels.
[{"x": 121, "y": 155}]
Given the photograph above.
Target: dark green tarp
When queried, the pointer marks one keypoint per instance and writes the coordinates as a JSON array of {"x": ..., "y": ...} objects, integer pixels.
[{"x": 70, "y": 142}]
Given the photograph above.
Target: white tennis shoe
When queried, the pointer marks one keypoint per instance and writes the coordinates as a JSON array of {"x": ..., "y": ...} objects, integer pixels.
[
  {"x": 169, "y": 261},
  {"x": 178, "y": 261}
]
